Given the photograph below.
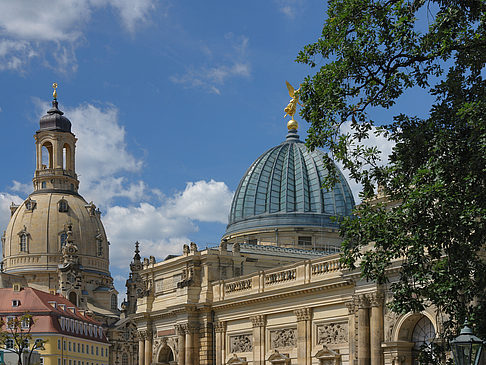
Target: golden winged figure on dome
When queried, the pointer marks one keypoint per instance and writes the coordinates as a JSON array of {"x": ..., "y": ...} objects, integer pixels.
[{"x": 291, "y": 108}]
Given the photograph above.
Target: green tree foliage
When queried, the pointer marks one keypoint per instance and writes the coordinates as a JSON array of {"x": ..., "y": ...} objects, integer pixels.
[
  {"x": 16, "y": 336},
  {"x": 370, "y": 52}
]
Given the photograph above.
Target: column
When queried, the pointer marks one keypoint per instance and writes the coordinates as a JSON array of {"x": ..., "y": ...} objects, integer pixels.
[
  {"x": 141, "y": 347},
  {"x": 220, "y": 329},
  {"x": 259, "y": 322},
  {"x": 351, "y": 305},
  {"x": 376, "y": 328},
  {"x": 363, "y": 330},
  {"x": 181, "y": 343},
  {"x": 304, "y": 340},
  {"x": 148, "y": 346},
  {"x": 192, "y": 357}
]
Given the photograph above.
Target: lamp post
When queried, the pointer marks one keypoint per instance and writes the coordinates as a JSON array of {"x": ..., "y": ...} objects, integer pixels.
[{"x": 466, "y": 348}]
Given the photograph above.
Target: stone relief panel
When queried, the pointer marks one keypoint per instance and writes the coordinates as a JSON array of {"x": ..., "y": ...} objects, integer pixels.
[
  {"x": 241, "y": 343},
  {"x": 283, "y": 338},
  {"x": 332, "y": 333}
]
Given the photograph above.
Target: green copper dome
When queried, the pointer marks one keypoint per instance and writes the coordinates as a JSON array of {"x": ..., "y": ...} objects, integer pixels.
[{"x": 283, "y": 187}]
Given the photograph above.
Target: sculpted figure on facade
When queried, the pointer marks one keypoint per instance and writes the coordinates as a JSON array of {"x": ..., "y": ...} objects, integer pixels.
[
  {"x": 283, "y": 338},
  {"x": 332, "y": 333},
  {"x": 241, "y": 343}
]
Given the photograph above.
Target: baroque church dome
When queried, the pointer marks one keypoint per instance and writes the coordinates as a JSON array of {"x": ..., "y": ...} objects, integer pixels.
[
  {"x": 55, "y": 239},
  {"x": 283, "y": 187}
]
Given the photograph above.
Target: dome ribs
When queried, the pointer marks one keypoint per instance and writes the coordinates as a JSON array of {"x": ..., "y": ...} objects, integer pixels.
[
  {"x": 315, "y": 183},
  {"x": 274, "y": 193}
]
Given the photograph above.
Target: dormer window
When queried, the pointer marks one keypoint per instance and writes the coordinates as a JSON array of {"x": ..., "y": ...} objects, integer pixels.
[
  {"x": 63, "y": 206},
  {"x": 15, "y": 302},
  {"x": 30, "y": 205}
]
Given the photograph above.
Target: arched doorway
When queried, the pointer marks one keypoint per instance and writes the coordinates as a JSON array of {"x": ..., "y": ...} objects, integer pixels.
[{"x": 166, "y": 356}]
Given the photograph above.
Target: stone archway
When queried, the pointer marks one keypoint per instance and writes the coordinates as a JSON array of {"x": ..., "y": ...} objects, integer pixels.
[
  {"x": 410, "y": 332},
  {"x": 166, "y": 356}
]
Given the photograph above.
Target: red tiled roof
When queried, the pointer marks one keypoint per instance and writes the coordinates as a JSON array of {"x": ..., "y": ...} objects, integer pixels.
[{"x": 46, "y": 315}]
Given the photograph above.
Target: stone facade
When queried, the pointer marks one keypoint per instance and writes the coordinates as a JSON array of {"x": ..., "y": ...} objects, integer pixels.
[{"x": 307, "y": 312}]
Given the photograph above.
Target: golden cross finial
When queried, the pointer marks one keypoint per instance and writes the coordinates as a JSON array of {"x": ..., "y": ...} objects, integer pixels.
[{"x": 54, "y": 93}]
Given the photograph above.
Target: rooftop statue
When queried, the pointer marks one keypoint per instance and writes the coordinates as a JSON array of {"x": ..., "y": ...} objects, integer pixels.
[{"x": 291, "y": 108}]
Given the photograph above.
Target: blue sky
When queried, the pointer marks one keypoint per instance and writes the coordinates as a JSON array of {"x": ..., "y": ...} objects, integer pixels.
[{"x": 171, "y": 102}]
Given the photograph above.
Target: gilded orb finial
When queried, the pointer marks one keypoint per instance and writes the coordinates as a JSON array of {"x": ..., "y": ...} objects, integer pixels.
[
  {"x": 291, "y": 108},
  {"x": 54, "y": 93}
]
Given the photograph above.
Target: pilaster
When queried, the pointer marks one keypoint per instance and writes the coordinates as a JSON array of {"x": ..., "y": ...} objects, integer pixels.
[
  {"x": 259, "y": 323},
  {"x": 181, "y": 343},
  {"x": 220, "y": 329},
  {"x": 304, "y": 333}
]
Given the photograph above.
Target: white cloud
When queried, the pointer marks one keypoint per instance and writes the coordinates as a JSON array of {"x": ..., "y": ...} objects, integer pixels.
[
  {"x": 290, "y": 8},
  {"x": 163, "y": 229},
  {"x": 5, "y": 201},
  {"x": 212, "y": 77},
  {"x": 35, "y": 28},
  {"x": 204, "y": 201},
  {"x": 21, "y": 188},
  {"x": 384, "y": 145},
  {"x": 102, "y": 156}
]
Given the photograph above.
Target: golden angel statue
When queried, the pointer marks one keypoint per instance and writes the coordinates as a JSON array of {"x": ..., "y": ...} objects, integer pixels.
[{"x": 291, "y": 108}]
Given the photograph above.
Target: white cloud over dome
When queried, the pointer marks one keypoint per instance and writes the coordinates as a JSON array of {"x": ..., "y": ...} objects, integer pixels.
[
  {"x": 27, "y": 27},
  {"x": 5, "y": 201}
]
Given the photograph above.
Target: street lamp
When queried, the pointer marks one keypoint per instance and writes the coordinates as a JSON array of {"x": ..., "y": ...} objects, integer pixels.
[{"x": 466, "y": 347}]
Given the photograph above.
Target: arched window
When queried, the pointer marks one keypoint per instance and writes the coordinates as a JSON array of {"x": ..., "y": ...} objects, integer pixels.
[
  {"x": 423, "y": 336},
  {"x": 43, "y": 185},
  {"x": 125, "y": 359},
  {"x": 46, "y": 157},
  {"x": 114, "y": 301},
  {"x": 67, "y": 157},
  {"x": 63, "y": 239},
  {"x": 63, "y": 205},
  {"x": 23, "y": 242},
  {"x": 73, "y": 298},
  {"x": 100, "y": 247}
]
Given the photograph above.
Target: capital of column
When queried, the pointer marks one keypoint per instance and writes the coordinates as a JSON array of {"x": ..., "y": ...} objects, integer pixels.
[
  {"x": 192, "y": 328},
  {"x": 363, "y": 301},
  {"x": 181, "y": 329},
  {"x": 141, "y": 335},
  {"x": 303, "y": 314},
  {"x": 376, "y": 299},
  {"x": 259, "y": 320},
  {"x": 220, "y": 326}
]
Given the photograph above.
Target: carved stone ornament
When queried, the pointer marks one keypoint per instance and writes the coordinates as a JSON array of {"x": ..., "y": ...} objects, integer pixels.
[
  {"x": 236, "y": 360},
  {"x": 259, "y": 320},
  {"x": 328, "y": 357},
  {"x": 376, "y": 299},
  {"x": 283, "y": 338},
  {"x": 241, "y": 343},
  {"x": 303, "y": 314},
  {"x": 390, "y": 321},
  {"x": 332, "y": 333}
]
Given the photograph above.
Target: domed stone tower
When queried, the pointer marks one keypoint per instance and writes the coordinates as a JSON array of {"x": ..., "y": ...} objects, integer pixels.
[
  {"x": 55, "y": 239},
  {"x": 280, "y": 200}
]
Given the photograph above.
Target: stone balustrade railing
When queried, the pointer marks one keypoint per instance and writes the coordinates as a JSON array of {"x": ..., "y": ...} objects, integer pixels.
[
  {"x": 303, "y": 272},
  {"x": 324, "y": 267},
  {"x": 238, "y": 286},
  {"x": 281, "y": 276}
]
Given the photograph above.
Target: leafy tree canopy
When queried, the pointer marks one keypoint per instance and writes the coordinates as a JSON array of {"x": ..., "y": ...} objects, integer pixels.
[{"x": 370, "y": 52}]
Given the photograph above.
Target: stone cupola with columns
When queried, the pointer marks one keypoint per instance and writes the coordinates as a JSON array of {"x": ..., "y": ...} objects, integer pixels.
[{"x": 55, "y": 218}]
